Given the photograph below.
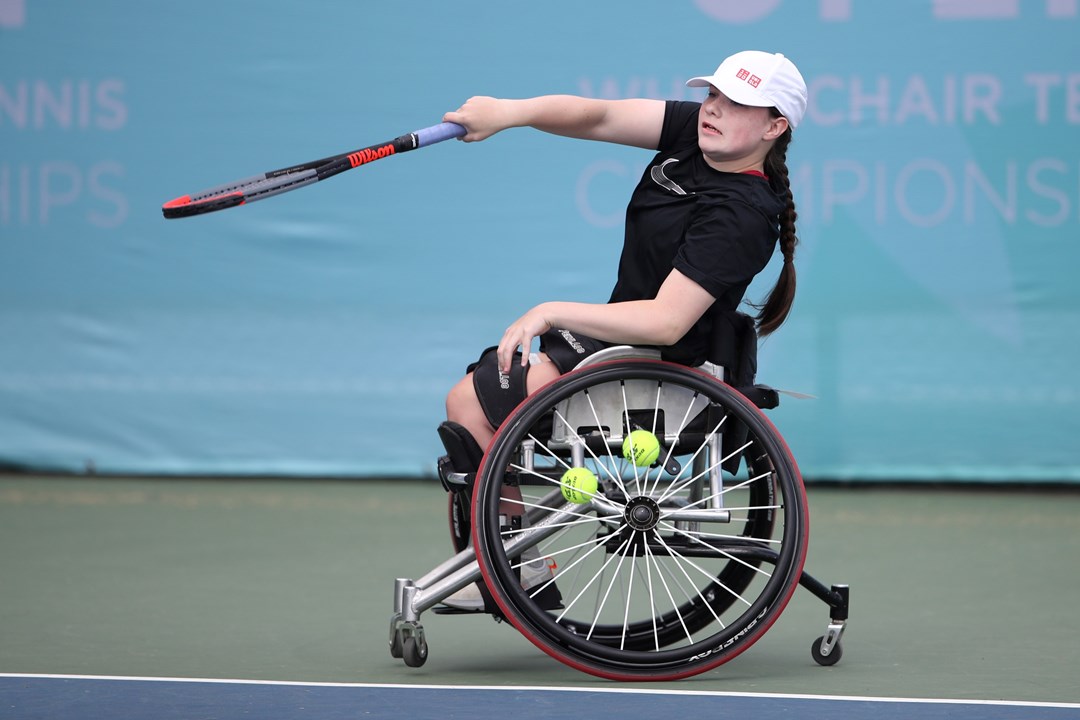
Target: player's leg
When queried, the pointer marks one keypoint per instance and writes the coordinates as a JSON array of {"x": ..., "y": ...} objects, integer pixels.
[{"x": 463, "y": 407}]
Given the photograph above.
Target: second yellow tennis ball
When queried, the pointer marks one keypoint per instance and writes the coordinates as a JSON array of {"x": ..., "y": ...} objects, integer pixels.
[{"x": 641, "y": 448}]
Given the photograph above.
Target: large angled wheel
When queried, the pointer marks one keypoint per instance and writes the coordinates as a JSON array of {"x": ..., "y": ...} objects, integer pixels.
[{"x": 669, "y": 570}]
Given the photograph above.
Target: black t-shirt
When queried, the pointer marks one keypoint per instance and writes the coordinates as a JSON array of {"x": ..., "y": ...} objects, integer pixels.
[{"x": 719, "y": 229}]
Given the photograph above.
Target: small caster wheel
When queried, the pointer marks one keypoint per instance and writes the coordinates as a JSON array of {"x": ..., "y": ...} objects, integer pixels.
[
  {"x": 396, "y": 646},
  {"x": 414, "y": 651},
  {"x": 827, "y": 660}
]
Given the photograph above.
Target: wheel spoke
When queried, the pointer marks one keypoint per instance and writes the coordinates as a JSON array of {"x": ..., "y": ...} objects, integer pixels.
[
  {"x": 629, "y": 600},
  {"x": 607, "y": 592},
  {"x": 526, "y": 504},
  {"x": 626, "y": 424},
  {"x": 721, "y": 551},
  {"x": 675, "y": 487},
  {"x": 720, "y": 494},
  {"x": 595, "y": 576},
  {"x": 671, "y": 447},
  {"x": 671, "y": 598},
  {"x": 616, "y": 476},
  {"x": 672, "y": 489},
  {"x": 687, "y": 561}
]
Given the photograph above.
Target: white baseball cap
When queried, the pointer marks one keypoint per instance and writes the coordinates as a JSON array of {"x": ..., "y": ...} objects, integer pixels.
[{"x": 760, "y": 79}]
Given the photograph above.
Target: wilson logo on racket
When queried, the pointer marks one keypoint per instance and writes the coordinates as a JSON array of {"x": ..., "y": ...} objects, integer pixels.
[{"x": 368, "y": 155}]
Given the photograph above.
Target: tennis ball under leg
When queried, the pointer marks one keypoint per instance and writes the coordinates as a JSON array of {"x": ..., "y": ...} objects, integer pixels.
[{"x": 641, "y": 448}]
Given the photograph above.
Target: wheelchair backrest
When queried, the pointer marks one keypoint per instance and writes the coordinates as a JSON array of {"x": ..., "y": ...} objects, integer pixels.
[{"x": 734, "y": 346}]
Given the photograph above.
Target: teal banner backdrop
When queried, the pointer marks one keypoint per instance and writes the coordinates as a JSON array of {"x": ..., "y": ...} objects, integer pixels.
[{"x": 937, "y": 176}]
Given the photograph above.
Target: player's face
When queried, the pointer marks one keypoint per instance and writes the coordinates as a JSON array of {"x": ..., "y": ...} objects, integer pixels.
[{"x": 735, "y": 137}]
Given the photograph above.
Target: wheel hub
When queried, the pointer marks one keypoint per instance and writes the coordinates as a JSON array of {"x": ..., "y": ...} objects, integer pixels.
[{"x": 642, "y": 513}]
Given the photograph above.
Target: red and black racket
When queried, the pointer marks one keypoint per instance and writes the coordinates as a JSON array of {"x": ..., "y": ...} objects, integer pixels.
[{"x": 276, "y": 182}]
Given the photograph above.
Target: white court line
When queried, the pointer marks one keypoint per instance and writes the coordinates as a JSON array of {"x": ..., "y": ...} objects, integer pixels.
[{"x": 540, "y": 688}]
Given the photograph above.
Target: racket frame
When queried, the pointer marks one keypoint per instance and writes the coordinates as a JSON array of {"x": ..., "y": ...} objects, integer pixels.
[{"x": 293, "y": 177}]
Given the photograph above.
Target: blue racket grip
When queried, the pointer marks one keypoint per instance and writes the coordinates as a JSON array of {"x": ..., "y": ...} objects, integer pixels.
[{"x": 438, "y": 133}]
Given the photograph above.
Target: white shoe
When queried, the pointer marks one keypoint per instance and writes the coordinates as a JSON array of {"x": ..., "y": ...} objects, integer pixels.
[
  {"x": 467, "y": 598},
  {"x": 535, "y": 572}
]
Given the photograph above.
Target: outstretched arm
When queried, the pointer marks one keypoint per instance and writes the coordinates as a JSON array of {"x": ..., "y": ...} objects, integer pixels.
[{"x": 634, "y": 122}]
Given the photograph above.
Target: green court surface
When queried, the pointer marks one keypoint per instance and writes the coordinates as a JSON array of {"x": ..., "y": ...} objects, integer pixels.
[{"x": 964, "y": 592}]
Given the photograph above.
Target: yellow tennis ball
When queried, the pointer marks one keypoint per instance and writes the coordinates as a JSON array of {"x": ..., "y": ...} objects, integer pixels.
[
  {"x": 641, "y": 448},
  {"x": 579, "y": 485}
]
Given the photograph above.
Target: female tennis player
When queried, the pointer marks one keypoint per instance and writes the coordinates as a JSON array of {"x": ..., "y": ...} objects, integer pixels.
[{"x": 703, "y": 221}]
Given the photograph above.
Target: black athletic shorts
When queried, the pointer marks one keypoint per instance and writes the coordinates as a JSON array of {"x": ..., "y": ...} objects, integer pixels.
[{"x": 499, "y": 393}]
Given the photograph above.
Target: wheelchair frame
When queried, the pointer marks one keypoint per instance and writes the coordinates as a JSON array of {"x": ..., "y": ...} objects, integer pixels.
[{"x": 646, "y": 536}]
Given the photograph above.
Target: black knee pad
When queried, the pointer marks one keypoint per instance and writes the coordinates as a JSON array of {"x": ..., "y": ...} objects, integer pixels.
[{"x": 499, "y": 393}]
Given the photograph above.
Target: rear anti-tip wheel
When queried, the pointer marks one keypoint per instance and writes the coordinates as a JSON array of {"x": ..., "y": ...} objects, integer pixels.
[{"x": 827, "y": 660}]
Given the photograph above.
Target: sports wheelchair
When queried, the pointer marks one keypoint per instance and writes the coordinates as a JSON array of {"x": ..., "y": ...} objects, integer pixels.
[{"x": 666, "y": 571}]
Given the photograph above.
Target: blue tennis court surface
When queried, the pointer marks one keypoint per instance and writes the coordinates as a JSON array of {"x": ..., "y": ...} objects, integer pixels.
[{"x": 56, "y": 697}]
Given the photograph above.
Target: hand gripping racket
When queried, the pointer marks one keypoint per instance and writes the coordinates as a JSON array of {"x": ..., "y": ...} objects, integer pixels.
[{"x": 276, "y": 182}]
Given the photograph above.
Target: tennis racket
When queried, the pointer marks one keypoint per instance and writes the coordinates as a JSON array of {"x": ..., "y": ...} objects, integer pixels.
[{"x": 276, "y": 182}]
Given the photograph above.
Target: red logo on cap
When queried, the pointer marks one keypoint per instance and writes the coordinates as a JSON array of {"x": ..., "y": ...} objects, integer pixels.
[
  {"x": 754, "y": 80},
  {"x": 742, "y": 74}
]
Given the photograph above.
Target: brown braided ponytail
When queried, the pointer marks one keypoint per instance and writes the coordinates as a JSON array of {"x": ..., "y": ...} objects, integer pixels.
[{"x": 774, "y": 311}]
